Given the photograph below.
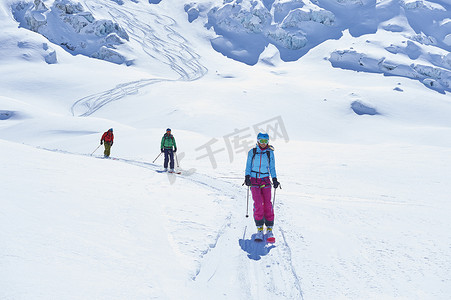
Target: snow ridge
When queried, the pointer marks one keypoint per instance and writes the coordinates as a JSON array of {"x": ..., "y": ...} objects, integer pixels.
[{"x": 436, "y": 78}]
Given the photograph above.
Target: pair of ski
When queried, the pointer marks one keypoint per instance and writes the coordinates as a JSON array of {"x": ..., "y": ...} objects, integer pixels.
[
  {"x": 166, "y": 171},
  {"x": 270, "y": 239},
  {"x": 108, "y": 157}
]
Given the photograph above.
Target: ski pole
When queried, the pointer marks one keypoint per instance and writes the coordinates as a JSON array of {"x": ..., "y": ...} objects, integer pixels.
[
  {"x": 274, "y": 198},
  {"x": 177, "y": 160},
  {"x": 96, "y": 149},
  {"x": 157, "y": 157},
  {"x": 247, "y": 204}
]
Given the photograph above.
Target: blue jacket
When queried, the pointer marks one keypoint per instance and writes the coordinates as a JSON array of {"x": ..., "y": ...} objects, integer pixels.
[{"x": 261, "y": 166}]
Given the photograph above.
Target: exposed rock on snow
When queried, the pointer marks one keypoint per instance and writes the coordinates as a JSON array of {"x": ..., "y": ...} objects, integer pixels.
[
  {"x": 50, "y": 56},
  {"x": 6, "y": 114},
  {"x": 193, "y": 14},
  {"x": 295, "y": 18},
  {"x": 421, "y": 4},
  {"x": 290, "y": 33},
  {"x": 241, "y": 16},
  {"x": 31, "y": 50},
  {"x": 195, "y": 10},
  {"x": 350, "y": 2},
  {"x": 67, "y": 23},
  {"x": 423, "y": 39},
  {"x": 108, "y": 54},
  {"x": 363, "y": 109},
  {"x": 282, "y": 8},
  {"x": 289, "y": 40}
]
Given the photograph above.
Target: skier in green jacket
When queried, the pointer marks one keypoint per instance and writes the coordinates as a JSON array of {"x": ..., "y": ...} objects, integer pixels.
[{"x": 168, "y": 146}]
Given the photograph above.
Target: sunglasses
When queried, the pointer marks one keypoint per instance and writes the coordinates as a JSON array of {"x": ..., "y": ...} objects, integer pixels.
[{"x": 263, "y": 141}]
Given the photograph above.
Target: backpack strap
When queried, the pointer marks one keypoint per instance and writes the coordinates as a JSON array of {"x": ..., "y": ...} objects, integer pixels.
[
  {"x": 165, "y": 137},
  {"x": 254, "y": 152},
  {"x": 107, "y": 135}
]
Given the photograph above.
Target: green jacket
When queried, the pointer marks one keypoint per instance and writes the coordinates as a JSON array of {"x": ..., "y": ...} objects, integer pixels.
[{"x": 168, "y": 141}]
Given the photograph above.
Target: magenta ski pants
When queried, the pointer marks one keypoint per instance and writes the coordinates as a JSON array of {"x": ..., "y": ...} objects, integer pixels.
[{"x": 261, "y": 194}]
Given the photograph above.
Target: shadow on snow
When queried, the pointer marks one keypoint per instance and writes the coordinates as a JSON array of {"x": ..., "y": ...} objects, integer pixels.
[{"x": 255, "y": 249}]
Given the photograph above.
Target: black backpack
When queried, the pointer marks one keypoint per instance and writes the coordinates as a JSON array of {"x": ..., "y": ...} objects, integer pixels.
[{"x": 267, "y": 152}]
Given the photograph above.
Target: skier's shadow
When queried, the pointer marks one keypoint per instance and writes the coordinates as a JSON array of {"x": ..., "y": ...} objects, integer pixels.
[{"x": 255, "y": 249}]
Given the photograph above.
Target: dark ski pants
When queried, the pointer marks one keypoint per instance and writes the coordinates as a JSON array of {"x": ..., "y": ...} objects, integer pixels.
[
  {"x": 169, "y": 155},
  {"x": 107, "y": 149}
]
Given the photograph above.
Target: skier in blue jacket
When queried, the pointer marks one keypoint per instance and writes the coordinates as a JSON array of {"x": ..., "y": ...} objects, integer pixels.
[{"x": 260, "y": 165}]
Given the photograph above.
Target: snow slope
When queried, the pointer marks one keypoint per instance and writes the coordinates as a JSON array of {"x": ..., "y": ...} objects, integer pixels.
[{"x": 359, "y": 117}]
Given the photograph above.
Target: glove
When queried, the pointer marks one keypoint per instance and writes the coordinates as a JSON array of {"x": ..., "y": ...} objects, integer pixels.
[
  {"x": 101, "y": 142},
  {"x": 275, "y": 183},
  {"x": 162, "y": 150},
  {"x": 247, "y": 180},
  {"x": 175, "y": 149},
  {"x": 111, "y": 143}
]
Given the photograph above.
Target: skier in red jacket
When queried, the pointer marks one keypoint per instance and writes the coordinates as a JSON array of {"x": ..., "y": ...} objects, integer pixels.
[{"x": 108, "y": 138}]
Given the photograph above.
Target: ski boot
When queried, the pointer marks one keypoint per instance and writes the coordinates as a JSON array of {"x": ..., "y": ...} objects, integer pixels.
[
  {"x": 259, "y": 235},
  {"x": 270, "y": 235}
]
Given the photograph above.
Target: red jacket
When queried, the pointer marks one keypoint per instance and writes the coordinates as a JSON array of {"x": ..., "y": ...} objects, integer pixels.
[{"x": 108, "y": 136}]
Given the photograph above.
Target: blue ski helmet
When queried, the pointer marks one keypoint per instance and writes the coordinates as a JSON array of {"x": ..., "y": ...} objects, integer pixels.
[
  {"x": 111, "y": 129},
  {"x": 169, "y": 129},
  {"x": 262, "y": 135}
]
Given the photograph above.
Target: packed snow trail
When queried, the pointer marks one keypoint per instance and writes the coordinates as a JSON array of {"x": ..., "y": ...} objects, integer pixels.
[
  {"x": 159, "y": 41},
  {"x": 259, "y": 269},
  {"x": 256, "y": 270}
]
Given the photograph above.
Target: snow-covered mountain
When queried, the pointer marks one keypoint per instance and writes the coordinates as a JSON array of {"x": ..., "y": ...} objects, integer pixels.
[{"x": 355, "y": 95}]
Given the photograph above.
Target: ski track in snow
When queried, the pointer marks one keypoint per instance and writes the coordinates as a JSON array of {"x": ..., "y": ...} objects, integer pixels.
[
  {"x": 262, "y": 270},
  {"x": 171, "y": 49}
]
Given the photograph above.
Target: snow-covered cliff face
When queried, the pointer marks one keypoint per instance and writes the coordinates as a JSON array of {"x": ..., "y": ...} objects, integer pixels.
[
  {"x": 413, "y": 36},
  {"x": 409, "y": 38},
  {"x": 66, "y": 23},
  {"x": 246, "y": 27},
  {"x": 295, "y": 26}
]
